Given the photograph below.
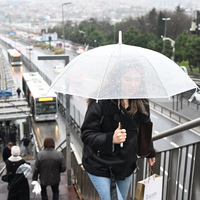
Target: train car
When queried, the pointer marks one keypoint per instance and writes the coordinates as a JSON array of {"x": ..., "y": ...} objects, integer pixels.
[
  {"x": 43, "y": 101},
  {"x": 14, "y": 57}
]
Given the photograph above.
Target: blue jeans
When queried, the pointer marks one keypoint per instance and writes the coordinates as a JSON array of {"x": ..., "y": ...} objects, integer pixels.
[
  {"x": 102, "y": 185},
  {"x": 26, "y": 148}
]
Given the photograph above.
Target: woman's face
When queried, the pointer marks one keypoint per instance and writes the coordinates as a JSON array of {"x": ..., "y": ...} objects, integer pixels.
[{"x": 130, "y": 82}]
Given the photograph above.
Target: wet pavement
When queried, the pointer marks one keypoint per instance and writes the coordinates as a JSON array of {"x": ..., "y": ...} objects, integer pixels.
[{"x": 66, "y": 193}]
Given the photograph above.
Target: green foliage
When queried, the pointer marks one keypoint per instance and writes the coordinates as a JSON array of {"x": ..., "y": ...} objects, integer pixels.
[
  {"x": 182, "y": 47},
  {"x": 44, "y": 46},
  {"x": 130, "y": 36},
  {"x": 58, "y": 51},
  {"x": 183, "y": 63},
  {"x": 194, "y": 58},
  {"x": 144, "y": 31}
]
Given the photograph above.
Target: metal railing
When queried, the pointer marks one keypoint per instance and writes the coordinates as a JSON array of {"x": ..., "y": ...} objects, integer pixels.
[
  {"x": 179, "y": 167},
  {"x": 172, "y": 114}
]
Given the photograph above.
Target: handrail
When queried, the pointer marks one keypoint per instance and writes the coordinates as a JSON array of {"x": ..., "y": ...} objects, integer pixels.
[
  {"x": 169, "y": 110},
  {"x": 2, "y": 170},
  {"x": 172, "y": 114},
  {"x": 177, "y": 129}
]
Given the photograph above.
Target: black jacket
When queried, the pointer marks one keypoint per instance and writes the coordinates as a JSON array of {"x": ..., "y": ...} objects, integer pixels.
[
  {"x": 99, "y": 154},
  {"x": 6, "y": 153},
  {"x": 17, "y": 183},
  {"x": 25, "y": 141}
]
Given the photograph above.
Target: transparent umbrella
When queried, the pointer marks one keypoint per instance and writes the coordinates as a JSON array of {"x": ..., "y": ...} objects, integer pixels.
[{"x": 121, "y": 71}]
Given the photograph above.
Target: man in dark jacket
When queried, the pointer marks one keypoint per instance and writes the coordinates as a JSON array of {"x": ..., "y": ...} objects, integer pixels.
[
  {"x": 25, "y": 142},
  {"x": 13, "y": 134},
  {"x": 48, "y": 165},
  {"x": 2, "y": 136},
  {"x": 7, "y": 151},
  {"x": 18, "y": 92}
]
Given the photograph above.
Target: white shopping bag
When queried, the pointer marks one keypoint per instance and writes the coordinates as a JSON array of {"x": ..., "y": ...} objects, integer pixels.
[
  {"x": 150, "y": 188},
  {"x": 37, "y": 187}
]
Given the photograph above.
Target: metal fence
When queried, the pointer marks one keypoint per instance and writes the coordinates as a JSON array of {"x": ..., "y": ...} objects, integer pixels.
[{"x": 180, "y": 168}]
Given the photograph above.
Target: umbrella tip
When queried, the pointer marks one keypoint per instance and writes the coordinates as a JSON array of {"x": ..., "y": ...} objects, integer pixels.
[{"x": 120, "y": 37}]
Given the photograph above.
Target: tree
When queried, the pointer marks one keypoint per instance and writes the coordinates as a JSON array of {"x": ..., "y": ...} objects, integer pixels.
[
  {"x": 130, "y": 35},
  {"x": 179, "y": 23},
  {"x": 151, "y": 21},
  {"x": 178, "y": 9},
  {"x": 182, "y": 47},
  {"x": 79, "y": 35},
  {"x": 194, "y": 58}
]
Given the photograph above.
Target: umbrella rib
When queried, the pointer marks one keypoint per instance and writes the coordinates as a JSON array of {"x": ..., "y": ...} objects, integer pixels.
[
  {"x": 61, "y": 74},
  {"x": 155, "y": 71},
  {"x": 105, "y": 74}
]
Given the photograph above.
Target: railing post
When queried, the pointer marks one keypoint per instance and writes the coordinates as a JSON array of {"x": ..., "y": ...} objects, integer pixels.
[{"x": 68, "y": 148}]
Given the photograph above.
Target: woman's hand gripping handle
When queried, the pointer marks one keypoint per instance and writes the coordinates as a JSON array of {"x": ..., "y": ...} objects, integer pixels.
[{"x": 119, "y": 135}]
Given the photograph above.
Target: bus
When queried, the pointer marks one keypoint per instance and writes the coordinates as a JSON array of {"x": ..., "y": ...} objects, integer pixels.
[
  {"x": 14, "y": 57},
  {"x": 43, "y": 102}
]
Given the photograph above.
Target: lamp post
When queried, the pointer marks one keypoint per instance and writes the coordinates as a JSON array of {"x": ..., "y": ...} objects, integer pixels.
[
  {"x": 172, "y": 44},
  {"x": 90, "y": 21},
  {"x": 64, "y": 24},
  {"x": 68, "y": 149},
  {"x": 165, "y": 19}
]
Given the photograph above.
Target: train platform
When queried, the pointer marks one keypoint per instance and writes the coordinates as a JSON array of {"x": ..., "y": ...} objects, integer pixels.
[{"x": 6, "y": 79}]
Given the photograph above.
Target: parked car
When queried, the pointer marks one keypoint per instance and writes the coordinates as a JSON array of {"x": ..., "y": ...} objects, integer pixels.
[
  {"x": 29, "y": 48},
  {"x": 197, "y": 96},
  {"x": 80, "y": 50},
  {"x": 68, "y": 46}
]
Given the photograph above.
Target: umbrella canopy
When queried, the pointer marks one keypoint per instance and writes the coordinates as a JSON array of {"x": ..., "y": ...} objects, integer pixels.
[{"x": 121, "y": 71}]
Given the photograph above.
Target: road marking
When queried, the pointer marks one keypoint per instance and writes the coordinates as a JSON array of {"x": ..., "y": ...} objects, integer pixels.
[
  {"x": 154, "y": 116},
  {"x": 173, "y": 120}
]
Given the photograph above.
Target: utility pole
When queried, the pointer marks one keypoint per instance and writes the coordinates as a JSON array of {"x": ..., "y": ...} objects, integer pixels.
[
  {"x": 64, "y": 24},
  {"x": 165, "y": 19}
]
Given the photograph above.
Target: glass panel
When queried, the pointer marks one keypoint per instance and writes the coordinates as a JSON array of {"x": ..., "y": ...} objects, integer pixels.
[{"x": 46, "y": 108}]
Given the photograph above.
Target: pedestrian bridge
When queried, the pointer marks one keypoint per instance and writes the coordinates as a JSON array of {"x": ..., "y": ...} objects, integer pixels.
[{"x": 178, "y": 166}]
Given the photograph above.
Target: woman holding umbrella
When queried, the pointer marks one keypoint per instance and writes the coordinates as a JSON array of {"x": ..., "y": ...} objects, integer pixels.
[
  {"x": 107, "y": 124},
  {"x": 102, "y": 133}
]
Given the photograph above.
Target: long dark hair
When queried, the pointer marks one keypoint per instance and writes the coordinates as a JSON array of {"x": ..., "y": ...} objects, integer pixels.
[{"x": 135, "y": 105}]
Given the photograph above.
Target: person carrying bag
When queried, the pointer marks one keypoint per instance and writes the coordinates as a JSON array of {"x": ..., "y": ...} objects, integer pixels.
[{"x": 149, "y": 188}]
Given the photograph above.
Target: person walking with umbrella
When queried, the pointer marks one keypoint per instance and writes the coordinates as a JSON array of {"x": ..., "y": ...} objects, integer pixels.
[
  {"x": 105, "y": 126},
  {"x": 7, "y": 151}
]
